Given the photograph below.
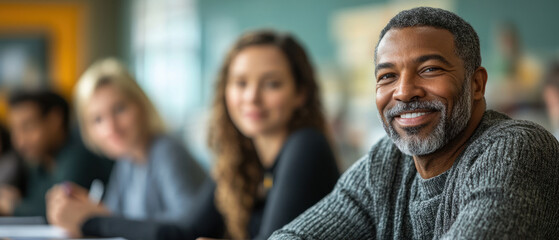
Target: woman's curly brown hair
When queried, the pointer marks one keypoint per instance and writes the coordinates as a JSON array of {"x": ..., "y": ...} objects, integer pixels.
[{"x": 238, "y": 170}]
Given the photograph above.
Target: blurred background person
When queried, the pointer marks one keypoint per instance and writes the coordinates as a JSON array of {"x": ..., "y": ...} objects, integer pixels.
[
  {"x": 517, "y": 74},
  {"x": 551, "y": 96},
  {"x": 154, "y": 178},
  {"x": 40, "y": 126},
  {"x": 269, "y": 137},
  {"x": 12, "y": 172}
]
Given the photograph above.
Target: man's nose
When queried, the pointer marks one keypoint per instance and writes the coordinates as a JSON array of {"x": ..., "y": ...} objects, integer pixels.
[{"x": 408, "y": 88}]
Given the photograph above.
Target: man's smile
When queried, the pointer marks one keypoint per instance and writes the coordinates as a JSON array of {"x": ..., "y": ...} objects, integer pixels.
[{"x": 415, "y": 118}]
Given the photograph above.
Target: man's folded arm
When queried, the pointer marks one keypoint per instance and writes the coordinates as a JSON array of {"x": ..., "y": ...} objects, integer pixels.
[
  {"x": 340, "y": 215},
  {"x": 510, "y": 194}
]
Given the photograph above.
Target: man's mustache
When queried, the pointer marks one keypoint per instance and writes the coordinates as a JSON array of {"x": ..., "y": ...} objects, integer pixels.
[{"x": 402, "y": 107}]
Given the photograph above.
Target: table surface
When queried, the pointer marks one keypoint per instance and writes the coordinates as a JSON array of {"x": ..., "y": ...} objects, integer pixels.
[{"x": 33, "y": 228}]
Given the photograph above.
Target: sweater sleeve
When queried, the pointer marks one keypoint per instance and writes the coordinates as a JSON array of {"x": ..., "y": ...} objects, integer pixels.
[
  {"x": 179, "y": 179},
  {"x": 306, "y": 172},
  {"x": 511, "y": 190},
  {"x": 340, "y": 215}
]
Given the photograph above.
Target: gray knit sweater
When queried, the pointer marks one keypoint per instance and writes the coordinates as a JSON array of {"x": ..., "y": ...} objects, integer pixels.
[{"x": 504, "y": 185}]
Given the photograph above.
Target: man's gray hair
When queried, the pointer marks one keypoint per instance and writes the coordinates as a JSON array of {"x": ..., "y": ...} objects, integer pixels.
[{"x": 466, "y": 40}]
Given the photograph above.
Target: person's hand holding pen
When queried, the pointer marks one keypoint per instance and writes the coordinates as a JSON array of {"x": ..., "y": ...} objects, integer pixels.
[{"x": 69, "y": 206}]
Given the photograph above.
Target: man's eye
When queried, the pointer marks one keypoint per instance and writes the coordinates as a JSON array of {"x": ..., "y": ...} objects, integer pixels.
[
  {"x": 386, "y": 76},
  {"x": 431, "y": 69}
]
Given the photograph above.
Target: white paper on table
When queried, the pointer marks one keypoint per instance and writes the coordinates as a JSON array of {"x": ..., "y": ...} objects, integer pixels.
[{"x": 41, "y": 231}]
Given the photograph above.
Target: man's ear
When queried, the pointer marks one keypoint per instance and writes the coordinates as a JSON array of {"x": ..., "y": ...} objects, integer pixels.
[{"x": 479, "y": 80}]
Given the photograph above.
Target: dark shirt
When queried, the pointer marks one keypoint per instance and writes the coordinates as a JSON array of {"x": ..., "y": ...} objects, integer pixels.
[
  {"x": 304, "y": 172},
  {"x": 73, "y": 163},
  {"x": 12, "y": 171}
]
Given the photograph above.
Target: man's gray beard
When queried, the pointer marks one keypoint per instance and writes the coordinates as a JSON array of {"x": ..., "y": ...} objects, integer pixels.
[{"x": 447, "y": 128}]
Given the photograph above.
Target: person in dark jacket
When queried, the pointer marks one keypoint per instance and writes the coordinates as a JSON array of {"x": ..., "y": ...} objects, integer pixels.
[{"x": 40, "y": 125}]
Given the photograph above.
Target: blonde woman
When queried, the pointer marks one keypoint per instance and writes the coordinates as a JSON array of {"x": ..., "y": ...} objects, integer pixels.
[{"x": 154, "y": 178}]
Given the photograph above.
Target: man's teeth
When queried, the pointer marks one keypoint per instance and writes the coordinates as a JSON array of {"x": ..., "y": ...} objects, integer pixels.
[{"x": 412, "y": 115}]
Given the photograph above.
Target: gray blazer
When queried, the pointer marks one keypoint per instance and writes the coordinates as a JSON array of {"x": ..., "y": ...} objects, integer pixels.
[{"x": 163, "y": 189}]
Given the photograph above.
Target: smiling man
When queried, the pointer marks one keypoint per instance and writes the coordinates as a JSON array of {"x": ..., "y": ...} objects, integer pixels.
[{"x": 448, "y": 168}]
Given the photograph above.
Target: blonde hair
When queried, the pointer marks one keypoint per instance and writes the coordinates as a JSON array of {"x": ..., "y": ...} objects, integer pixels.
[{"x": 112, "y": 72}]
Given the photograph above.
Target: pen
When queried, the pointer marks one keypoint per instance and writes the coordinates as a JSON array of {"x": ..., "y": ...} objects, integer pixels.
[
  {"x": 96, "y": 191},
  {"x": 67, "y": 189}
]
